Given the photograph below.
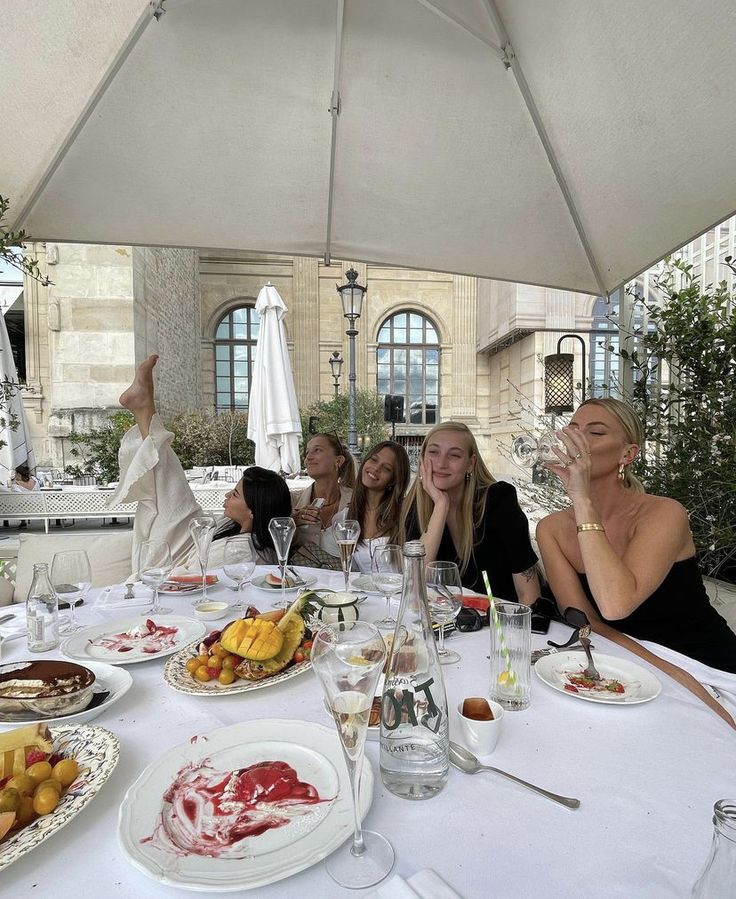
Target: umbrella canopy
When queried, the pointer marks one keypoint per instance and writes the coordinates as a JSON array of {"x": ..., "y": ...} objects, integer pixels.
[
  {"x": 15, "y": 438},
  {"x": 273, "y": 413},
  {"x": 569, "y": 144}
]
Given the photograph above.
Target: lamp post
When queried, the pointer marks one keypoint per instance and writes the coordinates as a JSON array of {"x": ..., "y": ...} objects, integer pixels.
[
  {"x": 351, "y": 295},
  {"x": 558, "y": 386},
  {"x": 336, "y": 361}
]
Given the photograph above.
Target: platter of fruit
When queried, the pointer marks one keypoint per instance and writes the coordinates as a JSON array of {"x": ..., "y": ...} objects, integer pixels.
[
  {"x": 48, "y": 777},
  {"x": 272, "y": 582},
  {"x": 131, "y": 640},
  {"x": 249, "y": 653}
]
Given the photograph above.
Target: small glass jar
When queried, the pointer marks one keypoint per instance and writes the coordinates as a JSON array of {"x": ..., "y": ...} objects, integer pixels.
[{"x": 718, "y": 879}]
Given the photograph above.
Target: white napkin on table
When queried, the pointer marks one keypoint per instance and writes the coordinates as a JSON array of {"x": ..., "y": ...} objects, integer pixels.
[
  {"x": 425, "y": 884},
  {"x": 114, "y": 597}
]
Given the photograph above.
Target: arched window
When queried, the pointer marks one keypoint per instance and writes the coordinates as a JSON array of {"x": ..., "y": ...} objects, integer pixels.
[
  {"x": 408, "y": 365},
  {"x": 235, "y": 350}
]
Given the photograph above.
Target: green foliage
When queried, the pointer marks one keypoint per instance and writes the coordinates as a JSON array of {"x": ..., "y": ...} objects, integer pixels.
[
  {"x": 12, "y": 244},
  {"x": 333, "y": 416},
  {"x": 690, "y": 421},
  {"x": 97, "y": 450},
  {"x": 205, "y": 439}
]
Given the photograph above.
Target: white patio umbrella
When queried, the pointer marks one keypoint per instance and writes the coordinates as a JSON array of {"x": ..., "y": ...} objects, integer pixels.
[
  {"x": 14, "y": 433},
  {"x": 555, "y": 142},
  {"x": 273, "y": 413}
]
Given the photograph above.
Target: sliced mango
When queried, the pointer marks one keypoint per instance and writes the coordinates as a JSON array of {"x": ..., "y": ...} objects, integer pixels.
[
  {"x": 293, "y": 634},
  {"x": 255, "y": 639}
]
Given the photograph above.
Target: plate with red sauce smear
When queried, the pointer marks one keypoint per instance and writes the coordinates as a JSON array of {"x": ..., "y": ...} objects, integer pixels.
[
  {"x": 241, "y": 807},
  {"x": 622, "y": 682},
  {"x": 127, "y": 641}
]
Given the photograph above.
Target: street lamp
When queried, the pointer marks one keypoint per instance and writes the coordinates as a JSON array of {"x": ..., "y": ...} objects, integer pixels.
[
  {"x": 351, "y": 295},
  {"x": 336, "y": 361},
  {"x": 558, "y": 386}
]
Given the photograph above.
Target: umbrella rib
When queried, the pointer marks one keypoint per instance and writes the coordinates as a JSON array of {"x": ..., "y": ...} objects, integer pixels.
[
  {"x": 334, "y": 112},
  {"x": 153, "y": 10},
  {"x": 511, "y": 62},
  {"x": 427, "y": 4}
]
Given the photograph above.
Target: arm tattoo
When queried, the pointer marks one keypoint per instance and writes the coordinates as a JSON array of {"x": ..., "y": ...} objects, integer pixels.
[{"x": 529, "y": 573}]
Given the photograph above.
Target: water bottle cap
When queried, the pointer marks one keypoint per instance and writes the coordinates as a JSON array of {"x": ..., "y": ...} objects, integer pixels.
[{"x": 414, "y": 548}]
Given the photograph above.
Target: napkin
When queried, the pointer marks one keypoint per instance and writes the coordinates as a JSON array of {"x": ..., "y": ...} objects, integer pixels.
[
  {"x": 18, "y": 623},
  {"x": 425, "y": 884},
  {"x": 114, "y": 597}
]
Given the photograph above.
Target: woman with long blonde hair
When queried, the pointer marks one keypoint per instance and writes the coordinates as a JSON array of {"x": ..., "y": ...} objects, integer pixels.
[{"x": 462, "y": 514}]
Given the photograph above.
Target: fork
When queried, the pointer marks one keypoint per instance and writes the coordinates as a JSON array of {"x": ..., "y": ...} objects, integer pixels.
[
  {"x": 298, "y": 579},
  {"x": 591, "y": 671}
]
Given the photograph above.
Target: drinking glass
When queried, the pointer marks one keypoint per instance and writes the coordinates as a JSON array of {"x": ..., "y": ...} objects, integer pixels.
[
  {"x": 240, "y": 563},
  {"x": 71, "y": 578},
  {"x": 202, "y": 530},
  {"x": 155, "y": 566},
  {"x": 348, "y": 659},
  {"x": 511, "y": 668},
  {"x": 346, "y": 534},
  {"x": 528, "y": 450},
  {"x": 444, "y": 598},
  {"x": 282, "y": 533},
  {"x": 387, "y": 567}
]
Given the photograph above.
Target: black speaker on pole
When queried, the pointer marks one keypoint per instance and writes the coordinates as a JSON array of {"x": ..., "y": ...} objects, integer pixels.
[{"x": 393, "y": 408}]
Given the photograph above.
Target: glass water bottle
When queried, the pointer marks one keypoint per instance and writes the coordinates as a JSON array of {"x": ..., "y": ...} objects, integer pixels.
[
  {"x": 42, "y": 612},
  {"x": 718, "y": 880}
]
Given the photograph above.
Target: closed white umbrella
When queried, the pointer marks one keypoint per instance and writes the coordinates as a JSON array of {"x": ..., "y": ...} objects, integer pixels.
[
  {"x": 14, "y": 434},
  {"x": 273, "y": 413}
]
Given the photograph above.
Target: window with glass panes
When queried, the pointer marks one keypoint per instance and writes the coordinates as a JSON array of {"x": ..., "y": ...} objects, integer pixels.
[
  {"x": 235, "y": 351},
  {"x": 408, "y": 365}
]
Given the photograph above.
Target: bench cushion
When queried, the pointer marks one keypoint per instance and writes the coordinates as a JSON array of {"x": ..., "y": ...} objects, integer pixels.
[{"x": 109, "y": 556}]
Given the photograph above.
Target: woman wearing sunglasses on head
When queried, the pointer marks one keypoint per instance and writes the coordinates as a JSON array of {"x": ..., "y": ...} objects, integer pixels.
[
  {"x": 151, "y": 474},
  {"x": 376, "y": 501},
  {"x": 461, "y": 514},
  {"x": 627, "y": 558}
]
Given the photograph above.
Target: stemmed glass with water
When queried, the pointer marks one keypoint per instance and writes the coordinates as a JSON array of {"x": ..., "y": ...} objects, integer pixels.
[
  {"x": 155, "y": 566},
  {"x": 71, "y": 578},
  {"x": 348, "y": 659},
  {"x": 387, "y": 567},
  {"x": 282, "y": 533},
  {"x": 444, "y": 599},
  {"x": 528, "y": 450},
  {"x": 346, "y": 534},
  {"x": 202, "y": 530},
  {"x": 240, "y": 563}
]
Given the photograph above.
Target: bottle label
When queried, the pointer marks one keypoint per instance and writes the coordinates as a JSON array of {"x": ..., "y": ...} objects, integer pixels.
[
  {"x": 35, "y": 629},
  {"x": 406, "y": 701}
]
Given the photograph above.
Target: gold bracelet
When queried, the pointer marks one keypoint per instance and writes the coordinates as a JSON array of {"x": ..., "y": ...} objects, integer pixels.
[{"x": 590, "y": 526}]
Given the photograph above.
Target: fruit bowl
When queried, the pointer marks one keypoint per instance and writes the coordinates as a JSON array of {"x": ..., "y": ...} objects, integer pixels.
[{"x": 44, "y": 688}]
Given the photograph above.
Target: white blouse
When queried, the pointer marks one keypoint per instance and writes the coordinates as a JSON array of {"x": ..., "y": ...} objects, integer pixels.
[{"x": 364, "y": 551}]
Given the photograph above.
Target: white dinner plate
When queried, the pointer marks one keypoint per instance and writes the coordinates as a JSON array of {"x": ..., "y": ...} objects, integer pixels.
[
  {"x": 639, "y": 684},
  {"x": 260, "y": 584},
  {"x": 83, "y": 647},
  {"x": 96, "y": 751},
  {"x": 179, "y": 679},
  {"x": 114, "y": 680},
  {"x": 311, "y": 750}
]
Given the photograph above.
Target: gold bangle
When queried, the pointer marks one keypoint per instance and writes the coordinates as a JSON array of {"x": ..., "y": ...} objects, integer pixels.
[{"x": 590, "y": 526}]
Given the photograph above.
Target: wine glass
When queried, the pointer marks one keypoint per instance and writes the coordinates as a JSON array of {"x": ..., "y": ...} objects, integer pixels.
[
  {"x": 348, "y": 659},
  {"x": 71, "y": 578},
  {"x": 528, "y": 450},
  {"x": 202, "y": 530},
  {"x": 387, "y": 566},
  {"x": 346, "y": 534},
  {"x": 155, "y": 566},
  {"x": 240, "y": 563},
  {"x": 444, "y": 598},
  {"x": 282, "y": 533}
]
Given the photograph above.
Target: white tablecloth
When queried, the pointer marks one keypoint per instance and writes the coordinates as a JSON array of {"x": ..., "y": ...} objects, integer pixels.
[{"x": 647, "y": 775}]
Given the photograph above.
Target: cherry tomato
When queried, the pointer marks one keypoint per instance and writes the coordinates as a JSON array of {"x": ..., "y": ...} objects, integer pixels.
[{"x": 298, "y": 656}]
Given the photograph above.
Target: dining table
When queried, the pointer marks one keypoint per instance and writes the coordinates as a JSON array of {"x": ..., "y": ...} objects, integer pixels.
[{"x": 646, "y": 774}]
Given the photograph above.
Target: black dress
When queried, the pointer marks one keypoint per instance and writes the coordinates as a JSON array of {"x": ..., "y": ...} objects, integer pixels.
[
  {"x": 502, "y": 545},
  {"x": 679, "y": 615}
]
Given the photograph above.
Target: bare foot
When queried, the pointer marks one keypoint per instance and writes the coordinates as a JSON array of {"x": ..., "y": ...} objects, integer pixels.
[{"x": 139, "y": 396}]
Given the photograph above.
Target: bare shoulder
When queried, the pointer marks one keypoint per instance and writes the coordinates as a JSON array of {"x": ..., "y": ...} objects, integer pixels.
[{"x": 662, "y": 508}]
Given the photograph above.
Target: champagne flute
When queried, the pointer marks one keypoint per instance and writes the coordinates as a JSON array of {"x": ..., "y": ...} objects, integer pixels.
[
  {"x": 202, "y": 530},
  {"x": 155, "y": 567},
  {"x": 387, "y": 567},
  {"x": 346, "y": 534},
  {"x": 282, "y": 533},
  {"x": 444, "y": 598},
  {"x": 71, "y": 578},
  {"x": 240, "y": 563},
  {"x": 348, "y": 659}
]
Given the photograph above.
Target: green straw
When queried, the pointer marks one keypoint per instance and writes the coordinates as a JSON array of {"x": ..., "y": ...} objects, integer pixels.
[{"x": 510, "y": 673}]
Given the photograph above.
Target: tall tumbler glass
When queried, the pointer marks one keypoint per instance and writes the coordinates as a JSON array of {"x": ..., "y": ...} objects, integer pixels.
[{"x": 511, "y": 666}]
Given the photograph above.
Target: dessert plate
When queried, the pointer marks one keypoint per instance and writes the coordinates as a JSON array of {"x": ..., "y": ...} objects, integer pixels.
[
  {"x": 130, "y": 640},
  {"x": 149, "y": 826},
  {"x": 260, "y": 584},
  {"x": 96, "y": 750},
  {"x": 639, "y": 684}
]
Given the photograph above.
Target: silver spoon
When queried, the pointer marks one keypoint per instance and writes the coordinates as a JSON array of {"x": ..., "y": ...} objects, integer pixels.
[{"x": 465, "y": 761}]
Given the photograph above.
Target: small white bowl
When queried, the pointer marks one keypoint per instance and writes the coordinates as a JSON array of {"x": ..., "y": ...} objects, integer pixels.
[
  {"x": 211, "y": 610},
  {"x": 481, "y": 736}
]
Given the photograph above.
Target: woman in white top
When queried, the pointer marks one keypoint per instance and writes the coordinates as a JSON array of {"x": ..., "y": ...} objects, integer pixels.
[
  {"x": 151, "y": 473},
  {"x": 24, "y": 481},
  {"x": 376, "y": 502}
]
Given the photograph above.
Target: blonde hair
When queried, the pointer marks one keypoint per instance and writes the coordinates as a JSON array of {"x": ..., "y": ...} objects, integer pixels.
[
  {"x": 473, "y": 502},
  {"x": 632, "y": 428}
]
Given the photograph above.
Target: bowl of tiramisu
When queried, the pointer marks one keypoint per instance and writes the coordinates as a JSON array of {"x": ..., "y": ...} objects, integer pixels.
[{"x": 44, "y": 688}]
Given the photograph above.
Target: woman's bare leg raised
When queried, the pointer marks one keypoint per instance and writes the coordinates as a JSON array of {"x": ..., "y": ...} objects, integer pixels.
[{"x": 138, "y": 398}]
